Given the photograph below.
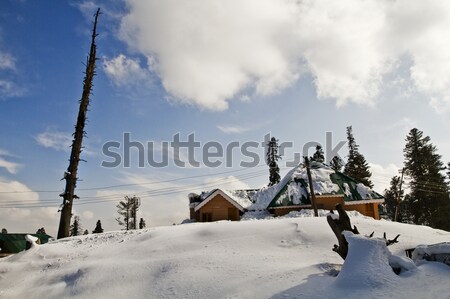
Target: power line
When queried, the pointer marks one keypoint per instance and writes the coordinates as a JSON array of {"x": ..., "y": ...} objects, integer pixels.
[
  {"x": 114, "y": 197},
  {"x": 134, "y": 184}
]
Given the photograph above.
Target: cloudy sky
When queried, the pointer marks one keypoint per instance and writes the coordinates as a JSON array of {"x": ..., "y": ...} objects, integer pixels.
[{"x": 228, "y": 72}]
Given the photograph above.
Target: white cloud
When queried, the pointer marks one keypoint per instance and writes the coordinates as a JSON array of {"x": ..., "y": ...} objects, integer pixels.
[
  {"x": 7, "y": 61},
  {"x": 206, "y": 53},
  {"x": 381, "y": 175},
  {"x": 11, "y": 167},
  {"x": 59, "y": 141},
  {"x": 232, "y": 129},
  {"x": 9, "y": 89},
  {"x": 230, "y": 182},
  {"x": 15, "y": 213},
  {"x": 125, "y": 71},
  {"x": 8, "y": 189},
  {"x": 87, "y": 215}
]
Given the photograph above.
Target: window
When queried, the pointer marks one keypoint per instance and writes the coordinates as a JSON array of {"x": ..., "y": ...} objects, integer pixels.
[{"x": 207, "y": 217}]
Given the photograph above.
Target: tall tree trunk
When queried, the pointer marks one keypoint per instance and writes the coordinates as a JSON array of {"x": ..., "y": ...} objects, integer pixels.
[{"x": 71, "y": 174}]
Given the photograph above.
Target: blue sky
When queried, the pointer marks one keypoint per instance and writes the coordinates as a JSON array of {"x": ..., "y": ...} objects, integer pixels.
[{"x": 223, "y": 70}]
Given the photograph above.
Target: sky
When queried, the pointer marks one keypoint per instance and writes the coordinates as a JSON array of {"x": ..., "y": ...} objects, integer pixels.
[{"x": 223, "y": 74}]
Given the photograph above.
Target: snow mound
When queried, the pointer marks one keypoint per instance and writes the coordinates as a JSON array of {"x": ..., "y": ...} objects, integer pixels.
[{"x": 367, "y": 263}]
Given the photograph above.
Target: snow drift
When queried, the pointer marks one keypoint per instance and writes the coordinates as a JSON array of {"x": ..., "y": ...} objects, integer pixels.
[{"x": 272, "y": 258}]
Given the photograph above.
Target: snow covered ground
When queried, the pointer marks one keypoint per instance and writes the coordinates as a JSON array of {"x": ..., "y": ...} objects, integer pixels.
[{"x": 270, "y": 258}]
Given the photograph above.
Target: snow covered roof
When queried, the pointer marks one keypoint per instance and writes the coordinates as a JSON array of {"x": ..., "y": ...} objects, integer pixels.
[
  {"x": 238, "y": 198},
  {"x": 293, "y": 189}
]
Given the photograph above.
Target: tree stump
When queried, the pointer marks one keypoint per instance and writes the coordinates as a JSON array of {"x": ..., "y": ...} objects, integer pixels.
[{"x": 338, "y": 225}]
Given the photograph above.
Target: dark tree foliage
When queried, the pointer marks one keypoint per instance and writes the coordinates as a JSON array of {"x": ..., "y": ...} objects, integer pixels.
[
  {"x": 272, "y": 157},
  {"x": 98, "y": 228},
  {"x": 391, "y": 196},
  {"x": 428, "y": 201},
  {"x": 336, "y": 163},
  {"x": 356, "y": 166},
  {"x": 448, "y": 170},
  {"x": 142, "y": 223},
  {"x": 4, "y": 231},
  {"x": 41, "y": 231},
  {"x": 319, "y": 155},
  {"x": 75, "y": 228},
  {"x": 86, "y": 232},
  {"x": 128, "y": 210}
]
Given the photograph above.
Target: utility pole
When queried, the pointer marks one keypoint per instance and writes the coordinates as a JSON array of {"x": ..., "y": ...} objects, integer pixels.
[
  {"x": 71, "y": 174},
  {"x": 311, "y": 188},
  {"x": 397, "y": 206}
]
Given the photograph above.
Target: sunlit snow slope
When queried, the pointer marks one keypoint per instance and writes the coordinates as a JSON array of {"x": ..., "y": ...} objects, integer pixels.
[{"x": 275, "y": 258}]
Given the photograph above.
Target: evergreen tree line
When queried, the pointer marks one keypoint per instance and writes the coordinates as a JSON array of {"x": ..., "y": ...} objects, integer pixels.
[
  {"x": 422, "y": 196},
  {"x": 356, "y": 166},
  {"x": 419, "y": 196}
]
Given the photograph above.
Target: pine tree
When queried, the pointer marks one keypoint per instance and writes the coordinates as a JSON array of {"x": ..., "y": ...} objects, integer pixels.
[
  {"x": 336, "y": 163},
  {"x": 128, "y": 210},
  {"x": 391, "y": 196},
  {"x": 428, "y": 201},
  {"x": 448, "y": 170},
  {"x": 75, "y": 228},
  {"x": 142, "y": 223},
  {"x": 272, "y": 157},
  {"x": 41, "y": 231},
  {"x": 86, "y": 232},
  {"x": 356, "y": 166},
  {"x": 4, "y": 231},
  {"x": 98, "y": 228},
  {"x": 318, "y": 156}
]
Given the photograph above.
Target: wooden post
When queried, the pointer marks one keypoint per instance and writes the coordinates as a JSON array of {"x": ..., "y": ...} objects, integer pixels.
[
  {"x": 71, "y": 174},
  {"x": 311, "y": 188}
]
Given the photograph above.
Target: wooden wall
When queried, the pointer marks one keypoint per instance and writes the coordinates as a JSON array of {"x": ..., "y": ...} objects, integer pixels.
[{"x": 219, "y": 209}]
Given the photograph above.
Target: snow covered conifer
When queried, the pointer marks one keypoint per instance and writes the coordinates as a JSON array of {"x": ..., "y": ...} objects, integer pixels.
[
  {"x": 75, "y": 228},
  {"x": 428, "y": 201},
  {"x": 356, "y": 166},
  {"x": 41, "y": 231},
  {"x": 98, "y": 228},
  {"x": 336, "y": 163},
  {"x": 318, "y": 156},
  {"x": 142, "y": 223},
  {"x": 272, "y": 157}
]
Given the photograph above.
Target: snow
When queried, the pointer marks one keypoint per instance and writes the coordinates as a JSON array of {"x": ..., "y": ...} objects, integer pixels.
[
  {"x": 31, "y": 239},
  {"x": 270, "y": 258},
  {"x": 364, "y": 191},
  {"x": 239, "y": 196},
  {"x": 423, "y": 251},
  {"x": 367, "y": 264}
]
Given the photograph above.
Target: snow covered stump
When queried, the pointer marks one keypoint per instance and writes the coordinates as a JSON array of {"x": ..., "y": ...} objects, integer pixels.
[{"x": 369, "y": 263}]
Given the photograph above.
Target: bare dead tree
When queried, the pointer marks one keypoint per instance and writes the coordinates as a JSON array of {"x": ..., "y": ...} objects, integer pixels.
[
  {"x": 342, "y": 223},
  {"x": 71, "y": 174}
]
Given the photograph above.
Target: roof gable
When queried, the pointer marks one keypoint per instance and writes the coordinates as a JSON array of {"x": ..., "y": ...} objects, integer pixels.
[{"x": 224, "y": 195}]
